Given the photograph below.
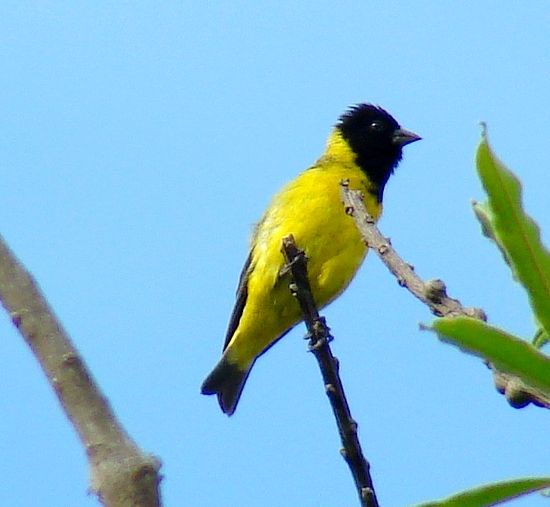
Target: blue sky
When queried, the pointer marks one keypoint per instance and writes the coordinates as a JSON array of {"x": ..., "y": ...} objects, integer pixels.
[{"x": 140, "y": 141}]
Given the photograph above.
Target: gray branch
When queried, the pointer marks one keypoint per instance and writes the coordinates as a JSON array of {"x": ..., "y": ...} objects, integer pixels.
[{"x": 121, "y": 474}]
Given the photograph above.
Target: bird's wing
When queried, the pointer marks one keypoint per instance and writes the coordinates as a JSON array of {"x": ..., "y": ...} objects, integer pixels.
[{"x": 242, "y": 293}]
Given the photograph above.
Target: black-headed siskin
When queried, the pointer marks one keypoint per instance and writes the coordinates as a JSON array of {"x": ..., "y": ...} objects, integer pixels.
[{"x": 364, "y": 148}]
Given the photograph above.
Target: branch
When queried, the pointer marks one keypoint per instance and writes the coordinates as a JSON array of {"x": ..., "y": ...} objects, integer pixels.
[
  {"x": 319, "y": 337},
  {"x": 432, "y": 293},
  {"x": 518, "y": 393},
  {"x": 121, "y": 474}
]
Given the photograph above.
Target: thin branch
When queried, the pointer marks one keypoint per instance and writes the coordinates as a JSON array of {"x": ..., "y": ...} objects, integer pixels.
[
  {"x": 121, "y": 474},
  {"x": 433, "y": 293},
  {"x": 319, "y": 337}
]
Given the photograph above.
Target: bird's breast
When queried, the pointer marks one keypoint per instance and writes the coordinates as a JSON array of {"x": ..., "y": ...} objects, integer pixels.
[{"x": 311, "y": 209}]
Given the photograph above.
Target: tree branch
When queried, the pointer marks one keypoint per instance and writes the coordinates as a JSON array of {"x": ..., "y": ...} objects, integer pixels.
[
  {"x": 433, "y": 293},
  {"x": 319, "y": 337},
  {"x": 121, "y": 474}
]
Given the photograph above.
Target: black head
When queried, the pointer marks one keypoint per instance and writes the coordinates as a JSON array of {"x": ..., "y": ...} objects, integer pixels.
[{"x": 377, "y": 141}]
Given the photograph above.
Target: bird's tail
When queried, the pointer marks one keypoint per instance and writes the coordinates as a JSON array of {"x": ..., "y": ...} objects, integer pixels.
[{"x": 227, "y": 381}]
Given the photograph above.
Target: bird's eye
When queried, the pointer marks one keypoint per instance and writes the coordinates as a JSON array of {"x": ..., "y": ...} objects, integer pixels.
[{"x": 377, "y": 126}]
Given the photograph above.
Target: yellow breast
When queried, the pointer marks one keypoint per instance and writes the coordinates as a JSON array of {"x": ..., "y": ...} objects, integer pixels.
[{"x": 310, "y": 208}]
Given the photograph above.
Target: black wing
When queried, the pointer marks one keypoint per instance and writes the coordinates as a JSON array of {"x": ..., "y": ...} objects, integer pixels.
[{"x": 242, "y": 294}]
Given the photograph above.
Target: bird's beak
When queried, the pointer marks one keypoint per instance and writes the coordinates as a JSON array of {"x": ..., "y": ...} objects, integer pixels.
[{"x": 401, "y": 137}]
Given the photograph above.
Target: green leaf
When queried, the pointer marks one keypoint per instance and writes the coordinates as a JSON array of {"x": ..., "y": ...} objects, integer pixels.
[
  {"x": 515, "y": 232},
  {"x": 507, "y": 352},
  {"x": 541, "y": 338},
  {"x": 492, "y": 494},
  {"x": 485, "y": 217}
]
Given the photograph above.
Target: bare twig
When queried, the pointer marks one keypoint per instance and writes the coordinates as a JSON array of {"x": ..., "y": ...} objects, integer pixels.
[
  {"x": 319, "y": 337},
  {"x": 433, "y": 293},
  {"x": 121, "y": 474}
]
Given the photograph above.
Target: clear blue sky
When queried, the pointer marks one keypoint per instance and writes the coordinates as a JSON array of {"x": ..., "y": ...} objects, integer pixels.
[{"x": 139, "y": 142}]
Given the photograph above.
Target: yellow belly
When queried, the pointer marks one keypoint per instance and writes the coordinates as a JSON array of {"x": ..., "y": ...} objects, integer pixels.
[{"x": 310, "y": 208}]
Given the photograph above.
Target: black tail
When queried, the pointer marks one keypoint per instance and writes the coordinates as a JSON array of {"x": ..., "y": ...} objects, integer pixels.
[{"x": 227, "y": 381}]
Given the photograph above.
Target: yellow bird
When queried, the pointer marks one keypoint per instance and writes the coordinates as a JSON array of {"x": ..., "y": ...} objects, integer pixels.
[{"x": 364, "y": 148}]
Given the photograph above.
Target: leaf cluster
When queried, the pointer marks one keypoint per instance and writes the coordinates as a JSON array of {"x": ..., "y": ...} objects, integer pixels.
[{"x": 504, "y": 221}]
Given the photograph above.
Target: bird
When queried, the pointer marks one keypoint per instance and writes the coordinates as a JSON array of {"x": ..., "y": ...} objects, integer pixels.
[{"x": 363, "y": 149}]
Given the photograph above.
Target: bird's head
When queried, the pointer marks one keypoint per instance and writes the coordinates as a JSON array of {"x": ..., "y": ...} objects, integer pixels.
[{"x": 376, "y": 139}]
